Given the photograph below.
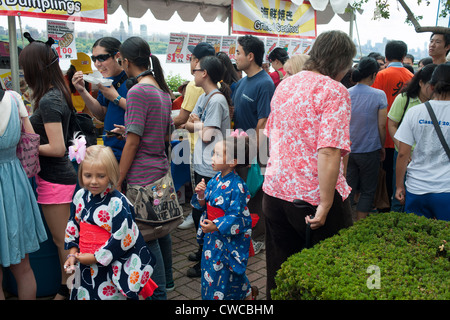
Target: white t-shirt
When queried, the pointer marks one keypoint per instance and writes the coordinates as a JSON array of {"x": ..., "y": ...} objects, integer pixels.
[
  {"x": 429, "y": 169},
  {"x": 5, "y": 109}
]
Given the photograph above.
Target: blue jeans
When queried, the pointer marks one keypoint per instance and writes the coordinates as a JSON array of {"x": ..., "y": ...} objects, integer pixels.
[
  {"x": 395, "y": 204},
  {"x": 162, "y": 273},
  {"x": 430, "y": 205}
]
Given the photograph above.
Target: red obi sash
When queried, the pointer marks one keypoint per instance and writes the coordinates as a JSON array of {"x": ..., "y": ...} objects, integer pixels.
[
  {"x": 92, "y": 237},
  {"x": 214, "y": 213}
]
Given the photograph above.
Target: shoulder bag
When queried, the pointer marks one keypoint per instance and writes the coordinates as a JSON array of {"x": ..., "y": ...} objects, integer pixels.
[
  {"x": 438, "y": 129},
  {"x": 28, "y": 147},
  {"x": 158, "y": 211}
]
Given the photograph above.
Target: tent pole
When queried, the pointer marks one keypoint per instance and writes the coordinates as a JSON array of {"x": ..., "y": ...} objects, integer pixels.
[
  {"x": 229, "y": 23},
  {"x": 13, "y": 53}
]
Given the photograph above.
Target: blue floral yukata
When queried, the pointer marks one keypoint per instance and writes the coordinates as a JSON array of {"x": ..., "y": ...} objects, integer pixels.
[
  {"x": 225, "y": 252},
  {"x": 124, "y": 262}
]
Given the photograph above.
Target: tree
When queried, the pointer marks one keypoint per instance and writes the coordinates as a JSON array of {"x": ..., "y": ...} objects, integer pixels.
[{"x": 383, "y": 7}]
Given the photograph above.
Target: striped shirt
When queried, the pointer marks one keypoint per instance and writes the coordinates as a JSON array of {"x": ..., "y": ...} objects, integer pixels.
[{"x": 148, "y": 116}]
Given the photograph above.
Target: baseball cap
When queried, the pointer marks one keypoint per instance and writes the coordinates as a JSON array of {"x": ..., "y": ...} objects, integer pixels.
[{"x": 202, "y": 49}]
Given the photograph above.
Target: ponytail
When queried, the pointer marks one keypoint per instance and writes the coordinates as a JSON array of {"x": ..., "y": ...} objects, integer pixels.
[{"x": 158, "y": 73}]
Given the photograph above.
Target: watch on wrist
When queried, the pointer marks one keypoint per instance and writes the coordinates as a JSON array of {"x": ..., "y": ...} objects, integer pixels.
[{"x": 117, "y": 100}]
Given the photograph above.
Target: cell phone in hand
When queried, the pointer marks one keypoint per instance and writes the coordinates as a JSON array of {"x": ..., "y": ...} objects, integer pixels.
[{"x": 111, "y": 133}]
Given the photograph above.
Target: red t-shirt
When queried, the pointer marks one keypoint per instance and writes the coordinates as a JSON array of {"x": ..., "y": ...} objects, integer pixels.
[
  {"x": 176, "y": 104},
  {"x": 276, "y": 76},
  {"x": 391, "y": 80}
]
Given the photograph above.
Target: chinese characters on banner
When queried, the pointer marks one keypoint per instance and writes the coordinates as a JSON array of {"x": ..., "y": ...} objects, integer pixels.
[
  {"x": 177, "y": 50},
  {"x": 63, "y": 34},
  {"x": 280, "y": 18}
]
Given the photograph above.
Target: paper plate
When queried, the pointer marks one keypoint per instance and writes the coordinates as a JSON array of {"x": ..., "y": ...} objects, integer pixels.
[{"x": 94, "y": 80}]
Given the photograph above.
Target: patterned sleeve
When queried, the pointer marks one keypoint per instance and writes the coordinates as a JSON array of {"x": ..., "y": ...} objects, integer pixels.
[
  {"x": 237, "y": 219},
  {"x": 73, "y": 225},
  {"x": 335, "y": 121},
  {"x": 124, "y": 231}
]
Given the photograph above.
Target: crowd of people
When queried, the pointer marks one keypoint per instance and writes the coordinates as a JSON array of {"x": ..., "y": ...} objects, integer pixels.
[{"x": 320, "y": 128}]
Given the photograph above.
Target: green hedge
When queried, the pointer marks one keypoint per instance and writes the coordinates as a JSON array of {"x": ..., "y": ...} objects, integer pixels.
[{"x": 410, "y": 252}]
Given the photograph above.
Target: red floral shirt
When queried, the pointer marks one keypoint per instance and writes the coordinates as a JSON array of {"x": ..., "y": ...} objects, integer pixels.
[{"x": 309, "y": 111}]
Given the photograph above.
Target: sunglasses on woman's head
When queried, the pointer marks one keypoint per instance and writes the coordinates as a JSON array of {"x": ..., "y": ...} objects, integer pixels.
[{"x": 102, "y": 57}]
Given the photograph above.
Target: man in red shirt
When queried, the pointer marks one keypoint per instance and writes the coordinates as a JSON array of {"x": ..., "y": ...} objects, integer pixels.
[{"x": 391, "y": 80}]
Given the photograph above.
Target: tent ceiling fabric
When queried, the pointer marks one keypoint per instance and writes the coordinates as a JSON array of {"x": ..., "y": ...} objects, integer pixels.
[
  {"x": 320, "y": 5},
  {"x": 210, "y": 10}
]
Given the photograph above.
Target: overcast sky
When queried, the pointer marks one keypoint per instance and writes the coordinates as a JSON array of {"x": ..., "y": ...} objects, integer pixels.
[{"x": 394, "y": 28}]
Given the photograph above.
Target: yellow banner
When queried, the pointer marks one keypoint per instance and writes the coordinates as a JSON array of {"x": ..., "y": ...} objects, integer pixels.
[
  {"x": 273, "y": 17},
  {"x": 79, "y": 10}
]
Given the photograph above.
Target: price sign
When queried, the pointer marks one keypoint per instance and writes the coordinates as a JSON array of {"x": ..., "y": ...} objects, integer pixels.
[
  {"x": 177, "y": 48},
  {"x": 63, "y": 34}
]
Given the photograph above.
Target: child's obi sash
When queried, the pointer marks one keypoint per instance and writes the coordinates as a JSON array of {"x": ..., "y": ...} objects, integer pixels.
[
  {"x": 214, "y": 213},
  {"x": 92, "y": 237}
]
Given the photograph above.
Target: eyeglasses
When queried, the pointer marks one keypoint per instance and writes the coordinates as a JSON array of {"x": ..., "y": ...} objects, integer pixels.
[
  {"x": 193, "y": 70},
  {"x": 102, "y": 57}
]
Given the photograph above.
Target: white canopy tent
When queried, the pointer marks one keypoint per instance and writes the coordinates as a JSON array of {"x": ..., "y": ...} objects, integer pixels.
[
  {"x": 188, "y": 10},
  {"x": 210, "y": 10}
]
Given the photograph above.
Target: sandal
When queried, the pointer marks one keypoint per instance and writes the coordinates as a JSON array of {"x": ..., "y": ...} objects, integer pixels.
[{"x": 255, "y": 292}]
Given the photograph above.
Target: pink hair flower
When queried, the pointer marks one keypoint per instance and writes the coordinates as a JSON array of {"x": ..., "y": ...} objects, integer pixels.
[
  {"x": 236, "y": 134},
  {"x": 78, "y": 149}
]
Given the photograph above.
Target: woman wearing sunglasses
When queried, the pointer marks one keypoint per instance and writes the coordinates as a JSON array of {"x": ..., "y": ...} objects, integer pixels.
[{"x": 110, "y": 104}]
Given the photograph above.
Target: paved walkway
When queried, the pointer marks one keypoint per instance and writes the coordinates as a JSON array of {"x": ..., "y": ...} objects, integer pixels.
[{"x": 183, "y": 243}]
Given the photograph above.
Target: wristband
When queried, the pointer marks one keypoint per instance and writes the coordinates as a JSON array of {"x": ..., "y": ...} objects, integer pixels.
[
  {"x": 70, "y": 255},
  {"x": 198, "y": 198},
  {"x": 117, "y": 100}
]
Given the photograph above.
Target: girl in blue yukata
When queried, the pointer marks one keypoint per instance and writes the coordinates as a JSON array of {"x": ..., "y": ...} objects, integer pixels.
[
  {"x": 102, "y": 237},
  {"x": 226, "y": 224}
]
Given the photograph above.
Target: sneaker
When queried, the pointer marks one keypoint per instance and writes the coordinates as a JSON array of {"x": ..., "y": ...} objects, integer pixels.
[
  {"x": 187, "y": 223},
  {"x": 195, "y": 271},
  {"x": 170, "y": 286},
  {"x": 195, "y": 256},
  {"x": 258, "y": 246}
]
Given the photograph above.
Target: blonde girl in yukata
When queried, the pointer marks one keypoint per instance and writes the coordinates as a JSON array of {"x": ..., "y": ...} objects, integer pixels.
[{"x": 104, "y": 242}]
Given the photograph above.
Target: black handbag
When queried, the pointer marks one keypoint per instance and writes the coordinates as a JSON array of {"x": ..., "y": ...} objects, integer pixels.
[
  {"x": 438, "y": 129},
  {"x": 83, "y": 123}
]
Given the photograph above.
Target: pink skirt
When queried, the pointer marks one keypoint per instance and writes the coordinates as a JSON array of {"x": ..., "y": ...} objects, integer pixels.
[{"x": 53, "y": 193}]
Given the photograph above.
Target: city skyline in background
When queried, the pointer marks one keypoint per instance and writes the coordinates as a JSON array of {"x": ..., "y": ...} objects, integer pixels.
[
  {"x": 368, "y": 34},
  {"x": 122, "y": 33}
]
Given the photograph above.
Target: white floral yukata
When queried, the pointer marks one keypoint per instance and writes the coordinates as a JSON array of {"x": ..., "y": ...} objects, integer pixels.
[
  {"x": 225, "y": 252},
  {"x": 125, "y": 263}
]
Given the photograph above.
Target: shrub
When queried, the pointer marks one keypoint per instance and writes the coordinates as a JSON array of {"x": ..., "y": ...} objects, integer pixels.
[
  {"x": 174, "y": 81},
  {"x": 410, "y": 252}
]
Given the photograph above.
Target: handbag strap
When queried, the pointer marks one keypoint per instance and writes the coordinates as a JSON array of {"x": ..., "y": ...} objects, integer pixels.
[
  {"x": 13, "y": 97},
  {"x": 207, "y": 101},
  {"x": 438, "y": 129},
  {"x": 404, "y": 109}
]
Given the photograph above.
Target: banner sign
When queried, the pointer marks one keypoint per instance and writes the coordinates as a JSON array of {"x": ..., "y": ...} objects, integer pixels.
[
  {"x": 177, "y": 51},
  {"x": 79, "y": 10},
  {"x": 63, "y": 34},
  {"x": 280, "y": 18}
]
